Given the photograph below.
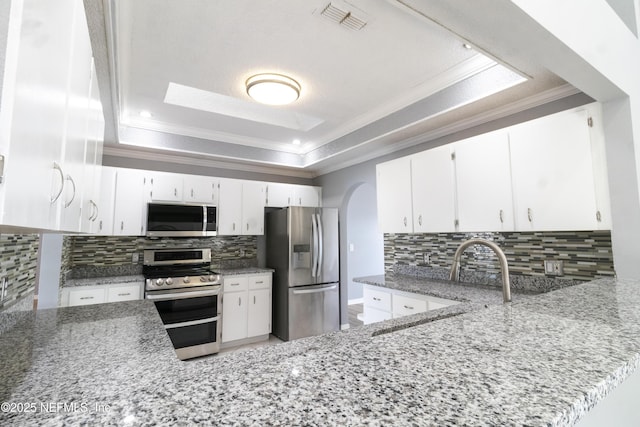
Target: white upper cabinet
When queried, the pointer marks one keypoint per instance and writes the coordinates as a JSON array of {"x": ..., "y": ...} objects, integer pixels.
[
  {"x": 165, "y": 187},
  {"x": 433, "y": 187},
  {"x": 253, "y": 197},
  {"x": 306, "y": 195},
  {"x": 200, "y": 189},
  {"x": 483, "y": 183},
  {"x": 130, "y": 203},
  {"x": 45, "y": 115},
  {"x": 104, "y": 213},
  {"x": 393, "y": 187},
  {"x": 552, "y": 172},
  {"x": 92, "y": 202},
  {"x": 241, "y": 207},
  {"x": 281, "y": 195}
]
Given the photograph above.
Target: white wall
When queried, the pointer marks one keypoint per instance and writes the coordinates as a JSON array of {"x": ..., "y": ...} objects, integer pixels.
[{"x": 365, "y": 244}]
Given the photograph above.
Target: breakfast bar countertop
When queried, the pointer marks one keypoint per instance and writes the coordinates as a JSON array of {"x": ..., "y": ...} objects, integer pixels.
[{"x": 541, "y": 360}]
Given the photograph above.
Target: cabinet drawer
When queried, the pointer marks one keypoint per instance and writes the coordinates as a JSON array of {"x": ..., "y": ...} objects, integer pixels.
[
  {"x": 260, "y": 282},
  {"x": 123, "y": 293},
  {"x": 235, "y": 283},
  {"x": 405, "y": 306},
  {"x": 86, "y": 296},
  {"x": 377, "y": 299},
  {"x": 373, "y": 315}
]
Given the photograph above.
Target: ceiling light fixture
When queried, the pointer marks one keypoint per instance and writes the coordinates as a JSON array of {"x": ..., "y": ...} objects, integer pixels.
[
  {"x": 273, "y": 89},
  {"x": 296, "y": 142},
  {"x": 146, "y": 114},
  {"x": 466, "y": 46}
]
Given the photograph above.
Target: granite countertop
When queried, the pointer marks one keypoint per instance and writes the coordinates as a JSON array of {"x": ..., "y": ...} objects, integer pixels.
[
  {"x": 244, "y": 270},
  {"x": 90, "y": 281},
  {"x": 541, "y": 360}
]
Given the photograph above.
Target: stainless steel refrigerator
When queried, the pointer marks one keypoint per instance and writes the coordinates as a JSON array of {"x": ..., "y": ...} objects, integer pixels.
[{"x": 302, "y": 247}]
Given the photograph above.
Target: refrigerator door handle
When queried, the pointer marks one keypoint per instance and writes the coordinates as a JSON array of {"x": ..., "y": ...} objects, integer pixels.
[
  {"x": 314, "y": 291},
  {"x": 320, "y": 245},
  {"x": 315, "y": 243}
]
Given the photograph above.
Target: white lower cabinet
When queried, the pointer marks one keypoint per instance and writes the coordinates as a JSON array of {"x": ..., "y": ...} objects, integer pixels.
[
  {"x": 98, "y": 294},
  {"x": 246, "y": 308},
  {"x": 381, "y": 304}
]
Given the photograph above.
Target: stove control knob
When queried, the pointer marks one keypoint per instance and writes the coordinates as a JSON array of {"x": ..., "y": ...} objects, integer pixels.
[
  {"x": 159, "y": 282},
  {"x": 185, "y": 280},
  {"x": 169, "y": 281},
  {"x": 212, "y": 278},
  {"x": 203, "y": 278}
]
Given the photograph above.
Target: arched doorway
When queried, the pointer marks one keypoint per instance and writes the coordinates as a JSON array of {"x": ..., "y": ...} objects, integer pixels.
[{"x": 364, "y": 242}]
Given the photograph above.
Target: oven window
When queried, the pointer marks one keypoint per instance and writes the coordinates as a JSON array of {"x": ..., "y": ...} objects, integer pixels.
[
  {"x": 188, "y": 336},
  {"x": 188, "y": 309}
]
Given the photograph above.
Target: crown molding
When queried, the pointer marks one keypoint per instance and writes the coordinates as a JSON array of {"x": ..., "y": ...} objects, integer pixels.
[
  {"x": 536, "y": 100},
  {"x": 118, "y": 150}
]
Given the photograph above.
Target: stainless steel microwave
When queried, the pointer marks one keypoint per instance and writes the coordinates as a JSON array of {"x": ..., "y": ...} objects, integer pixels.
[{"x": 167, "y": 220}]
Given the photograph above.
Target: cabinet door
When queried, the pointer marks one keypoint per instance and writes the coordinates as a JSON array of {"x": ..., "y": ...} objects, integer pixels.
[
  {"x": 230, "y": 207},
  {"x": 234, "y": 316},
  {"x": 33, "y": 111},
  {"x": 253, "y": 199},
  {"x": 130, "y": 205},
  {"x": 76, "y": 124},
  {"x": 483, "y": 181},
  {"x": 279, "y": 195},
  {"x": 259, "y": 320},
  {"x": 306, "y": 195},
  {"x": 105, "y": 204},
  {"x": 200, "y": 189},
  {"x": 552, "y": 173},
  {"x": 165, "y": 187},
  {"x": 393, "y": 187},
  {"x": 433, "y": 187}
]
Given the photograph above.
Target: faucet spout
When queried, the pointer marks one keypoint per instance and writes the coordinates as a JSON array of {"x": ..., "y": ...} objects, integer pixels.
[{"x": 454, "y": 275}]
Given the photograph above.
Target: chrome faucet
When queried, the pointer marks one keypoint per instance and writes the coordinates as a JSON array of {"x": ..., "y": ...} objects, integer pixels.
[{"x": 455, "y": 268}]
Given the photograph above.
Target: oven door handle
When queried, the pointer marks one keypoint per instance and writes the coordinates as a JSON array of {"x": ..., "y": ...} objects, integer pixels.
[
  {"x": 192, "y": 323},
  {"x": 183, "y": 295}
]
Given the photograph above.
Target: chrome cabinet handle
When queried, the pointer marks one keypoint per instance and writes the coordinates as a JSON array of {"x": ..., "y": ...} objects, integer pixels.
[
  {"x": 57, "y": 167},
  {"x": 598, "y": 216},
  {"x": 419, "y": 220},
  {"x": 121, "y": 225},
  {"x": 501, "y": 216},
  {"x": 86, "y": 297},
  {"x": 254, "y": 300},
  {"x": 259, "y": 282},
  {"x": 530, "y": 214},
  {"x": 300, "y": 201},
  {"x": 124, "y": 295},
  {"x": 192, "y": 192},
  {"x": 376, "y": 299},
  {"x": 234, "y": 226},
  {"x": 73, "y": 185},
  {"x": 100, "y": 225},
  {"x": 247, "y": 226},
  {"x": 408, "y": 307},
  {"x": 405, "y": 221},
  {"x": 94, "y": 211},
  {"x": 239, "y": 301}
]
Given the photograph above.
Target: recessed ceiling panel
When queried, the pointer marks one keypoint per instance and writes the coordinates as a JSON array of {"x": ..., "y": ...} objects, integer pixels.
[{"x": 191, "y": 97}]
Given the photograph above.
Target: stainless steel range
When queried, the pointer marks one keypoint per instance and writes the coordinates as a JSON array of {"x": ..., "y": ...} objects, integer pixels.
[{"x": 187, "y": 294}]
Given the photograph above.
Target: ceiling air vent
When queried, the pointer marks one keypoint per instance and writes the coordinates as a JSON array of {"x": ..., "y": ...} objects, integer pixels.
[{"x": 342, "y": 17}]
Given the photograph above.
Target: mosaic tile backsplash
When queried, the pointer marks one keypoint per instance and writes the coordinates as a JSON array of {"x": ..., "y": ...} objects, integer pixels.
[
  {"x": 101, "y": 256},
  {"x": 18, "y": 262},
  {"x": 585, "y": 254}
]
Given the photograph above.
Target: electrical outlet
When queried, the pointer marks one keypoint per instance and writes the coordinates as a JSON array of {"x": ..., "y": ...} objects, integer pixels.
[
  {"x": 135, "y": 257},
  {"x": 426, "y": 258},
  {"x": 553, "y": 268}
]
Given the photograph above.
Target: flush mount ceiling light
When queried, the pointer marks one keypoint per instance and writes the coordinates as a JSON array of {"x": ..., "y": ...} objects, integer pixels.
[{"x": 273, "y": 89}]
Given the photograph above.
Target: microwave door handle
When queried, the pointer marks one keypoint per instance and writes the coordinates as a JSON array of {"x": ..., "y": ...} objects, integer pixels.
[
  {"x": 204, "y": 220},
  {"x": 320, "y": 244}
]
